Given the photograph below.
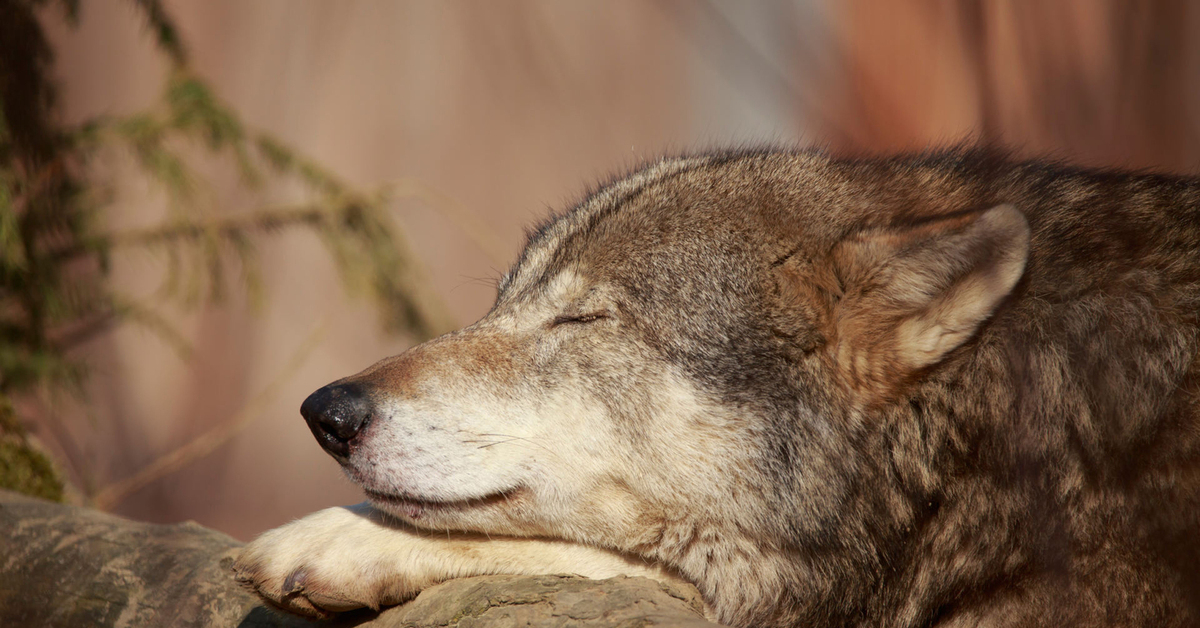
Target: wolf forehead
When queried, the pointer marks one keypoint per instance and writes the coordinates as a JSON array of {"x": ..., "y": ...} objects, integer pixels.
[
  {"x": 735, "y": 208},
  {"x": 684, "y": 208}
]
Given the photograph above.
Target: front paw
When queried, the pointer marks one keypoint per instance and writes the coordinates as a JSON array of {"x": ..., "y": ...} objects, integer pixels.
[{"x": 321, "y": 565}]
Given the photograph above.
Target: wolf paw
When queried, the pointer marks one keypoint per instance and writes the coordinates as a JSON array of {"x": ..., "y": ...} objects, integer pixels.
[
  {"x": 321, "y": 565},
  {"x": 342, "y": 559}
]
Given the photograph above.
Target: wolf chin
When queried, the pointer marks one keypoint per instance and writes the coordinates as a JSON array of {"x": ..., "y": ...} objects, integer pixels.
[{"x": 944, "y": 389}]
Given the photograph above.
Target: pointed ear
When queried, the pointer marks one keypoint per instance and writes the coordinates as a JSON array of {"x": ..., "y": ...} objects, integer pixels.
[{"x": 912, "y": 295}]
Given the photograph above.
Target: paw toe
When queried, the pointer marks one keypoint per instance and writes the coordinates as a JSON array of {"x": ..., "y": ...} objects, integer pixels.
[{"x": 295, "y": 581}]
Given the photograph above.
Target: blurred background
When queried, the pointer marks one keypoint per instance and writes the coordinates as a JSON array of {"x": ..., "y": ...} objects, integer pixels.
[{"x": 438, "y": 131}]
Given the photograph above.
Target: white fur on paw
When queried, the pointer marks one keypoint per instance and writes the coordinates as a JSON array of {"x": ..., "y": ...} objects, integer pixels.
[{"x": 321, "y": 565}]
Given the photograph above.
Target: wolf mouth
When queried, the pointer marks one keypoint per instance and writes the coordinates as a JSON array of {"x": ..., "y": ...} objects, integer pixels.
[{"x": 414, "y": 507}]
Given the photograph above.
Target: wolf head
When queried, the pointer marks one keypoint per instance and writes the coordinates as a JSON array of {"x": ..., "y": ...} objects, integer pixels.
[{"x": 685, "y": 365}]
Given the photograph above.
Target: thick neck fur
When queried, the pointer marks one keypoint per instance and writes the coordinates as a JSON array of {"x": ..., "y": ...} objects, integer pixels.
[
  {"x": 978, "y": 521},
  {"x": 1013, "y": 487},
  {"x": 991, "y": 479}
]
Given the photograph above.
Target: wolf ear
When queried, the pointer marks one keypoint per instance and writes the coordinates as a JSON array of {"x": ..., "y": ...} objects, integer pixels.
[{"x": 910, "y": 296}]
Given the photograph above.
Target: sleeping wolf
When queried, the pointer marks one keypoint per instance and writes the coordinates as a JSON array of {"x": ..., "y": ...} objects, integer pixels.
[{"x": 931, "y": 390}]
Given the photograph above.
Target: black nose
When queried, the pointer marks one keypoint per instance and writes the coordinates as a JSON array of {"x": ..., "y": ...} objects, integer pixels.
[{"x": 336, "y": 414}]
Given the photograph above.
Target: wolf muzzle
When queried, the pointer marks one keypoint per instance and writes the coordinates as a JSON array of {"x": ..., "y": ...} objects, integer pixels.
[{"x": 337, "y": 414}]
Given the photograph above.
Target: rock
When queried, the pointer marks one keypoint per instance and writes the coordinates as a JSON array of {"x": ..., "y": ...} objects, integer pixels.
[
  {"x": 548, "y": 601},
  {"x": 69, "y": 566}
]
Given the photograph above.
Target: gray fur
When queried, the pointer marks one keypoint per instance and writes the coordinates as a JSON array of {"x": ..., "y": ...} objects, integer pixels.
[{"x": 904, "y": 402}]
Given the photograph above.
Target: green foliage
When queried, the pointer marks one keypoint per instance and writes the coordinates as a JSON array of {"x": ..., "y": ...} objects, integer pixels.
[
  {"x": 55, "y": 254},
  {"x": 23, "y": 468}
]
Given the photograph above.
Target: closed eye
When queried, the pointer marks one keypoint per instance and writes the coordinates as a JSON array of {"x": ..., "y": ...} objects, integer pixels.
[{"x": 566, "y": 319}]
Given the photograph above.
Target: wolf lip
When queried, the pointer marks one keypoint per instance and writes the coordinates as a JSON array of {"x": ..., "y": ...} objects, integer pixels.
[{"x": 414, "y": 507}]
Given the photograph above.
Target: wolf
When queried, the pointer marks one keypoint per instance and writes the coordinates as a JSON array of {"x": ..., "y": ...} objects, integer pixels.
[{"x": 938, "y": 389}]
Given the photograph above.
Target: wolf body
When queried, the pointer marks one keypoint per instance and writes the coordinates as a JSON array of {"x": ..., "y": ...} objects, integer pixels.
[{"x": 928, "y": 390}]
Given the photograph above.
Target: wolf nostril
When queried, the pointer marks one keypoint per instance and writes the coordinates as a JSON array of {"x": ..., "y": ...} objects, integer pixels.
[{"x": 336, "y": 414}]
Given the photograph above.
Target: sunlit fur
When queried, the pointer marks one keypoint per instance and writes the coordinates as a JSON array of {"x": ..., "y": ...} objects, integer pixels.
[{"x": 939, "y": 389}]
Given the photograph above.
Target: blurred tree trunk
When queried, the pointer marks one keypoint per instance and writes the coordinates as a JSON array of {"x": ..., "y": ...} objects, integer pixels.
[{"x": 1105, "y": 83}]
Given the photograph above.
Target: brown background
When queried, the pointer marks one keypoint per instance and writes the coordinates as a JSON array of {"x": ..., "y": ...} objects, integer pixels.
[{"x": 510, "y": 108}]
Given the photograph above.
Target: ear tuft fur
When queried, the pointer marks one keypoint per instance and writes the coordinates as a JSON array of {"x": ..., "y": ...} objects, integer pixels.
[{"x": 913, "y": 295}]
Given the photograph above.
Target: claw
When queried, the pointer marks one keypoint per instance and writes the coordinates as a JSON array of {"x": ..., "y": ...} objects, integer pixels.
[{"x": 295, "y": 581}]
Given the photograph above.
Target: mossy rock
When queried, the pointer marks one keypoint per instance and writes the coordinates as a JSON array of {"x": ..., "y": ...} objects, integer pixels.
[{"x": 23, "y": 468}]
